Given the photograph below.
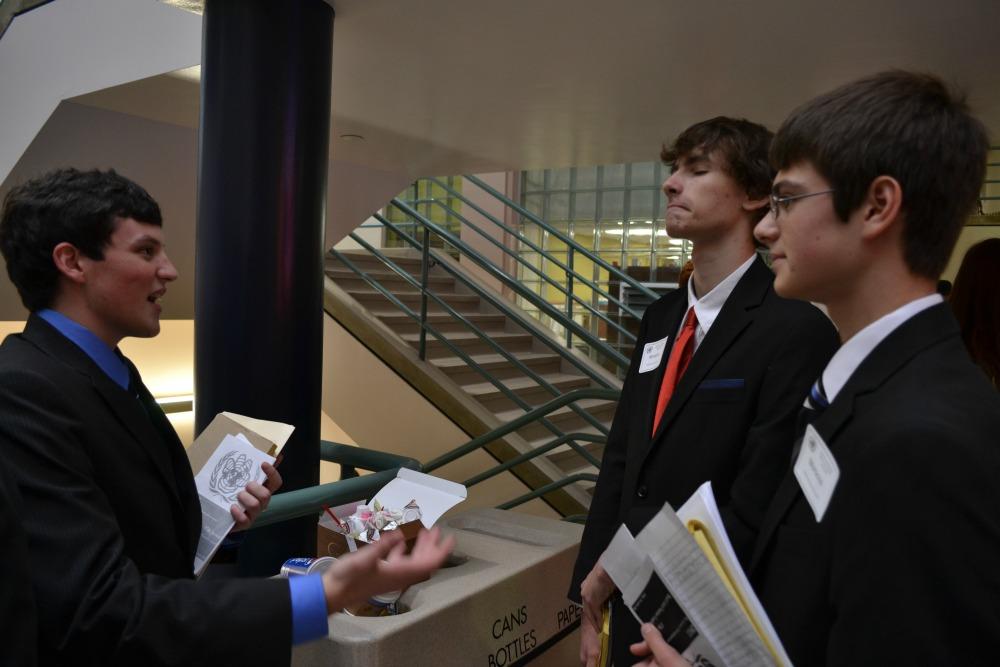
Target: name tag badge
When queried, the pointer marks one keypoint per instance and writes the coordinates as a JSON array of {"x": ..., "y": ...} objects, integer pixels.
[
  {"x": 817, "y": 472},
  {"x": 652, "y": 353}
]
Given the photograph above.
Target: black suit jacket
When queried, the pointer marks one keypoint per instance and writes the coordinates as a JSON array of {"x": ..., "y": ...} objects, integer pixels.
[
  {"x": 17, "y": 602},
  {"x": 112, "y": 519},
  {"x": 730, "y": 420},
  {"x": 903, "y": 568}
]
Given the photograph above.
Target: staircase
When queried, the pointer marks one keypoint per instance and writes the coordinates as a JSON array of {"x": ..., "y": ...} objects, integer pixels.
[{"x": 476, "y": 402}]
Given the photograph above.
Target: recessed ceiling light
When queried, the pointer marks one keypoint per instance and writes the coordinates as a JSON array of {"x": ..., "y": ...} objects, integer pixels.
[{"x": 352, "y": 137}]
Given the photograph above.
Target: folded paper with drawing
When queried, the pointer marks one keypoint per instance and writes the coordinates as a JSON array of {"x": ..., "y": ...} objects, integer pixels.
[
  {"x": 225, "y": 458},
  {"x": 681, "y": 574}
]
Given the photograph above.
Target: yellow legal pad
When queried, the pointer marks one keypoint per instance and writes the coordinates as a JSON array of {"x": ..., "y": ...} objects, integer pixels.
[{"x": 703, "y": 537}]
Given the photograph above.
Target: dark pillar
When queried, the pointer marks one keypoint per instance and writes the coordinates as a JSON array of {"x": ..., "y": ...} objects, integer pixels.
[{"x": 265, "y": 118}]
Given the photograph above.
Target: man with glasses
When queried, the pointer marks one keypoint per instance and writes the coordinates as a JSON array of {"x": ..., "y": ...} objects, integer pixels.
[
  {"x": 717, "y": 376},
  {"x": 881, "y": 545}
]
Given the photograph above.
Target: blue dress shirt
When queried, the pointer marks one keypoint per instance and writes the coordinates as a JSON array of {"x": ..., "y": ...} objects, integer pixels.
[{"x": 309, "y": 617}]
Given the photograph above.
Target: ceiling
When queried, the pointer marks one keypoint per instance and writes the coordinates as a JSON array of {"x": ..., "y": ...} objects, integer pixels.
[{"x": 444, "y": 87}]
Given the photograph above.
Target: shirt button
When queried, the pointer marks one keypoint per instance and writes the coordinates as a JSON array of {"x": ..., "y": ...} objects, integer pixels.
[{"x": 642, "y": 491}]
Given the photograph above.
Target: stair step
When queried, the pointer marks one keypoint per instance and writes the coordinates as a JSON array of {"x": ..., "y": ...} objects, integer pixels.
[
  {"x": 367, "y": 260},
  {"x": 526, "y": 388},
  {"x": 402, "y": 323},
  {"x": 565, "y": 418},
  {"x": 471, "y": 343},
  {"x": 460, "y": 302},
  {"x": 497, "y": 366},
  {"x": 348, "y": 280}
]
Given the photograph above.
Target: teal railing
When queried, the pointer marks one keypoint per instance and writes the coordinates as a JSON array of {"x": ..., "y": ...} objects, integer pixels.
[{"x": 351, "y": 487}]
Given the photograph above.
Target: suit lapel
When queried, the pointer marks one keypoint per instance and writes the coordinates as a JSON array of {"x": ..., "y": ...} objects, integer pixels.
[
  {"x": 926, "y": 328},
  {"x": 122, "y": 404},
  {"x": 735, "y": 316}
]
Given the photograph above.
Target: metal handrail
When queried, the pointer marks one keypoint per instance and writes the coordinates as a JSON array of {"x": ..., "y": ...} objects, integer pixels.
[
  {"x": 527, "y": 417},
  {"x": 310, "y": 501},
  {"x": 531, "y": 244},
  {"x": 569, "y": 438},
  {"x": 568, "y": 269},
  {"x": 569, "y": 241},
  {"x": 548, "y": 488},
  {"x": 425, "y": 326},
  {"x": 510, "y": 282},
  {"x": 480, "y": 292},
  {"x": 458, "y": 351}
]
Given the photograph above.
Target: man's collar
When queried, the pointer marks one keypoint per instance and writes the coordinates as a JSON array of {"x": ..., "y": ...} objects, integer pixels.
[
  {"x": 850, "y": 355},
  {"x": 95, "y": 348},
  {"x": 708, "y": 307}
]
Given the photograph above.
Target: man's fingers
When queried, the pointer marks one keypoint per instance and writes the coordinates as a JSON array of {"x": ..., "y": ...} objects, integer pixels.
[
  {"x": 273, "y": 481},
  {"x": 663, "y": 654}
]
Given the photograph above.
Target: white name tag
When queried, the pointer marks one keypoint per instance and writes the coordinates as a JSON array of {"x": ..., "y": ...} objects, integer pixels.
[
  {"x": 817, "y": 472},
  {"x": 652, "y": 353}
]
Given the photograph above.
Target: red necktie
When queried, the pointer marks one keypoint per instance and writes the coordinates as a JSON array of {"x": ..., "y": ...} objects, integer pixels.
[{"x": 680, "y": 357}]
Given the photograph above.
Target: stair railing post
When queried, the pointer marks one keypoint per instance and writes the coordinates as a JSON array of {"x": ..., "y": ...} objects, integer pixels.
[
  {"x": 424, "y": 268},
  {"x": 569, "y": 296}
]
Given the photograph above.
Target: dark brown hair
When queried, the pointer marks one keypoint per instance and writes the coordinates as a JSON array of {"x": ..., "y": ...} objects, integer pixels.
[
  {"x": 78, "y": 207},
  {"x": 904, "y": 125},
  {"x": 743, "y": 144},
  {"x": 975, "y": 300}
]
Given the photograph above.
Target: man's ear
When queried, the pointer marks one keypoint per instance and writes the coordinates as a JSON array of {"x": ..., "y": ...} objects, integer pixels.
[
  {"x": 756, "y": 204},
  {"x": 881, "y": 206},
  {"x": 67, "y": 258}
]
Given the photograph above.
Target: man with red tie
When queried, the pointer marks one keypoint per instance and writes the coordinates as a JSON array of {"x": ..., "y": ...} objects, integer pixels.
[{"x": 718, "y": 375}]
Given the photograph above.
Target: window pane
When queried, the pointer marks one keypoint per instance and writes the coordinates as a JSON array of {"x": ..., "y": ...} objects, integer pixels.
[
  {"x": 643, "y": 173},
  {"x": 610, "y": 236},
  {"x": 639, "y": 236},
  {"x": 558, "y": 179},
  {"x": 612, "y": 206},
  {"x": 534, "y": 180},
  {"x": 534, "y": 204},
  {"x": 641, "y": 204},
  {"x": 614, "y": 175},
  {"x": 586, "y": 178},
  {"x": 558, "y": 208},
  {"x": 585, "y": 206}
]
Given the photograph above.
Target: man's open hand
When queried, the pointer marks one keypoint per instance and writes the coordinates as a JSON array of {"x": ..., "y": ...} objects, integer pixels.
[{"x": 383, "y": 566}]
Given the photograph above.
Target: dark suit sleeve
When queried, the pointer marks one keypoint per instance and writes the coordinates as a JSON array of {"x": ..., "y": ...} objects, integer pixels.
[
  {"x": 603, "y": 516},
  {"x": 914, "y": 578},
  {"x": 17, "y": 601},
  {"x": 95, "y": 606},
  {"x": 809, "y": 342}
]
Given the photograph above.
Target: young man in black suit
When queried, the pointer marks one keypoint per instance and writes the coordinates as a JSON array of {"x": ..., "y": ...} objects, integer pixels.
[
  {"x": 881, "y": 546},
  {"x": 717, "y": 376},
  {"x": 108, "y": 502}
]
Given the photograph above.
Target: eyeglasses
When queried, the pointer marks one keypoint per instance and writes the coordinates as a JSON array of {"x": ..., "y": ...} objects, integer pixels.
[{"x": 778, "y": 202}]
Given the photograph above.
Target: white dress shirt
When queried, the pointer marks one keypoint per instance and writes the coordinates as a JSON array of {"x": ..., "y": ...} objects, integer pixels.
[
  {"x": 707, "y": 308},
  {"x": 853, "y": 352}
]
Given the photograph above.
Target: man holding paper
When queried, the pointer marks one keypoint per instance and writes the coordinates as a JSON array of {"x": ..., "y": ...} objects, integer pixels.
[
  {"x": 110, "y": 509},
  {"x": 718, "y": 372},
  {"x": 881, "y": 545}
]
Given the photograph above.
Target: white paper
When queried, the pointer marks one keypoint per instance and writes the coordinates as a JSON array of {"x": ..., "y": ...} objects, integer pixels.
[
  {"x": 647, "y": 597},
  {"x": 434, "y": 495},
  {"x": 652, "y": 353},
  {"x": 700, "y": 592},
  {"x": 701, "y": 507},
  {"x": 817, "y": 472},
  {"x": 234, "y": 464}
]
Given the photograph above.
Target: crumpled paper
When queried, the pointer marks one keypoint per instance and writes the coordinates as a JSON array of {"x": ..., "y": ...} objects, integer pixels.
[{"x": 369, "y": 521}]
